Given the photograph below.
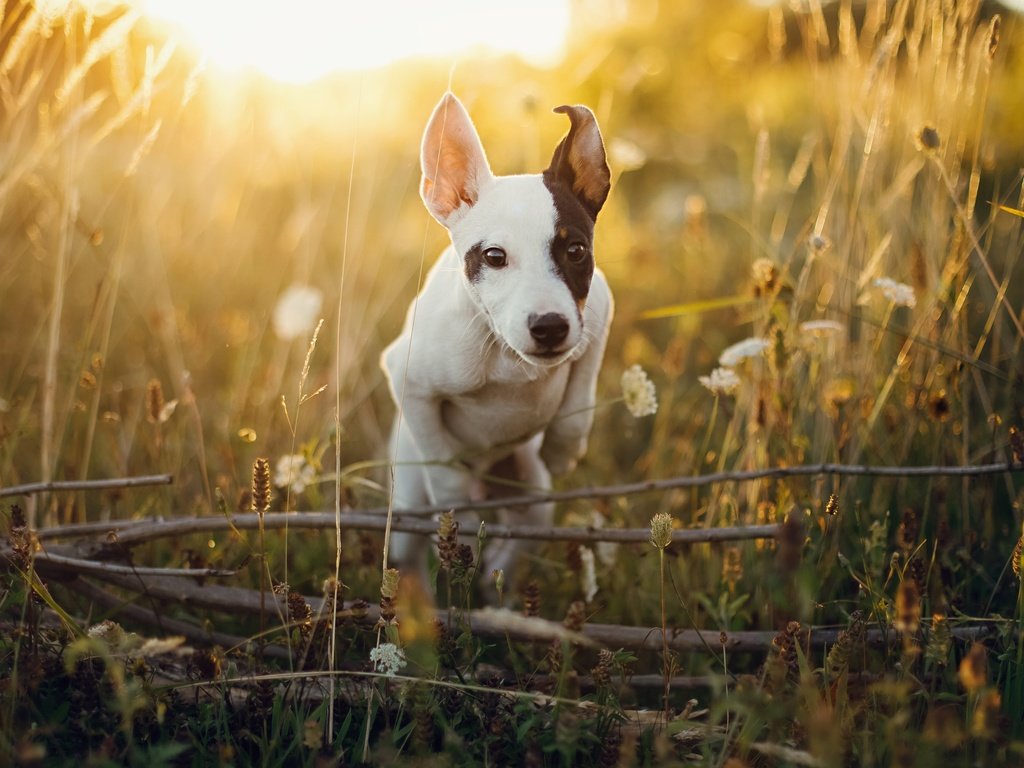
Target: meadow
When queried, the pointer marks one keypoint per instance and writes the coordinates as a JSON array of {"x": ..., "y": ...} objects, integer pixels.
[{"x": 815, "y": 222}]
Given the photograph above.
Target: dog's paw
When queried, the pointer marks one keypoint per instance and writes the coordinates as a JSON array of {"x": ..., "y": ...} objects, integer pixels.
[{"x": 560, "y": 458}]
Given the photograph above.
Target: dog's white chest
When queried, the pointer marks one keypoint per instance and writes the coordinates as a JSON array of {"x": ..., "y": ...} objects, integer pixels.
[{"x": 505, "y": 413}]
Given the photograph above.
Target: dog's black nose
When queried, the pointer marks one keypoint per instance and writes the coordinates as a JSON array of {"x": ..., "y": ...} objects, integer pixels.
[{"x": 549, "y": 330}]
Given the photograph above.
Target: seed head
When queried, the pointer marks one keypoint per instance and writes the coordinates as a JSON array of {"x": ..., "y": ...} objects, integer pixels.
[
  {"x": 661, "y": 530},
  {"x": 261, "y": 485},
  {"x": 908, "y": 607},
  {"x": 927, "y": 139},
  {"x": 973, "y": 671},
  {"x": 154, "y": 401}
]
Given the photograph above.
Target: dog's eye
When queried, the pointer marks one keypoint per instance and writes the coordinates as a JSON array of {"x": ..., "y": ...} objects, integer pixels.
[
  {"x": 495, "y": 257},
  {"x": 577, "y": 252}
]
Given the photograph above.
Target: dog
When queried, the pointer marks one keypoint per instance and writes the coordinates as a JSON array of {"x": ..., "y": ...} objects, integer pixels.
[{"x": 494, "y": 373}]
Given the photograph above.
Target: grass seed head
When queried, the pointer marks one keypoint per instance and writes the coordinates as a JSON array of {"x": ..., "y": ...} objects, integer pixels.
[
  {"x": 154, "y": 401},
  {"x": 261, "y": 485},
  {"x": 927, "y": 139},
  {"x": 908, "y": 607},
  {"x": 973, "y": 671},
  {"x": 661, "y": 530}
]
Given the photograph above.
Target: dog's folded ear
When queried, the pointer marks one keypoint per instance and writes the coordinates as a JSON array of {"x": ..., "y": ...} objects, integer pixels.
[
  {"x": 579, "y": 160},
  {"x": 453, "y": 161}
]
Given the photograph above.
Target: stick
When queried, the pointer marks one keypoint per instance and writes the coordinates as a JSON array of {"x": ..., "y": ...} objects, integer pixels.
[
  {"x": 29, "y": 489},
  {"x": 79, "y": 565},
  {"x": 486, "y": 624},
  {"x": 160, "y": 529}
]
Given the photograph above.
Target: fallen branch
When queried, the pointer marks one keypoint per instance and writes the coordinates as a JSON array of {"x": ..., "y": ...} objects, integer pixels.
[
  {"x": 78, "y": 565},
  {"x": 367, "y": 516},
  {"x": 488, "y": 623},
  {"x": 29, "y": 489},
  {"x": 694, "y": 481},
  {"x": 137, "y": 534}
]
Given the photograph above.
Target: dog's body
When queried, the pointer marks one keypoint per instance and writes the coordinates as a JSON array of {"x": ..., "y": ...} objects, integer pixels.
[{"x": 495, "y": 370}]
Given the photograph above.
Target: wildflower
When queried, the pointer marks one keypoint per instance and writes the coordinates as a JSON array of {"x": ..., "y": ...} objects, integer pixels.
[
  {"x": 821, "y": 327},
  {"x": 588, "y": 574},
  {"x": 638, "y": 392},
  {"x": 388, "y": 658},
  {"x": 1017, "y": 560},
  {"x": 741, "y": 350},
  {"x": 722, "y": 381},
  {"x": 293, "y": 471},
  {"x": 296, "y": 312},
  {"x": 900, "y": 294},
  {"x": 661, "y": 530}
]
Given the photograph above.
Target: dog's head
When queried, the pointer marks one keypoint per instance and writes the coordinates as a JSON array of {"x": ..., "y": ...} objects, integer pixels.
[{"x": 526, "y": 242}]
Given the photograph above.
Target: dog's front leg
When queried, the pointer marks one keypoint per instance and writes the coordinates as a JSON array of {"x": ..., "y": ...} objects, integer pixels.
[
  {"x": 447, "y": 480},
  {"x": 565, "y": 439}
]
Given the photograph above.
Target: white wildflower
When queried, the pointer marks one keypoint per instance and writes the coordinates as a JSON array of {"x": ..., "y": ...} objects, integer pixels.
[
  {"x": 900, "y": 294},
  {"x": 638, "y": 392},
  {"x": 388, "y": 658},
  {"x": 297, "y": 311},
  {"x": 588, "y": 574},
  {"x": 821, "y": 327},
  {"x": 722, "y": 381},
  {"x": 741, "y": 350},
  {"x": 293, "y": 471}
]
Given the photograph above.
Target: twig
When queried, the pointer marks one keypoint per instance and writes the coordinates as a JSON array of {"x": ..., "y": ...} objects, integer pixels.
[
  {"x": 28, "y": 489},
  {"x": 79, "y": 565},
  {"x": 160, "y": 529}
]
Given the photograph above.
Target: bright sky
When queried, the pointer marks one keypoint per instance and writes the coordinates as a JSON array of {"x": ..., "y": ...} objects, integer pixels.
[{"x": 302, "y": 40}]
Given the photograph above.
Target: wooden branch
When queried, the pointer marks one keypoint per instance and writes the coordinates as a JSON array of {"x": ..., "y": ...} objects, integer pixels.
[
  {"x": 85, "y": 485},
  {"x": 485, "y": 623},
  {"x": 161, "y": 529},
  {"x": 79, "y": 565}
]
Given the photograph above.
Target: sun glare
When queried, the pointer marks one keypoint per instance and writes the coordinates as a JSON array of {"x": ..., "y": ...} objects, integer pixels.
[{"x": 306, "y": 39}]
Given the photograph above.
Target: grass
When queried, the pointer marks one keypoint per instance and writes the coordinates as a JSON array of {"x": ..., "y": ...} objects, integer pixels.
[{"x": 828, "y": 183}]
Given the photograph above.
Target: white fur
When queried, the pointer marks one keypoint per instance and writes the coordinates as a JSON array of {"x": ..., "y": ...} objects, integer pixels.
[{"x": 465, "y": 372}]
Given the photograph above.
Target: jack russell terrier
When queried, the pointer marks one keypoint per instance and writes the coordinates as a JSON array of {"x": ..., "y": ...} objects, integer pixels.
[{"x": 495, "y": 371}]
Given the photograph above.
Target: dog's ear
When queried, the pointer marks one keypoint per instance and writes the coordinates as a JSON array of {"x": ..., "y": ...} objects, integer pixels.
[
  {"x": 453, "y": 161},
  {"x": 579, "y": 159}
]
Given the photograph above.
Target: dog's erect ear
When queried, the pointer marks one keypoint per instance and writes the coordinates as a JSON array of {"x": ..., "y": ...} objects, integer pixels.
[
  {"x": 579, "y": 159},
  {"x": 453, "y": 161}
]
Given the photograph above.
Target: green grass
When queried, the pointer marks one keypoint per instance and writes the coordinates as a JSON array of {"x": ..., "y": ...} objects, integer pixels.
[{"x": 768, "y": 169}]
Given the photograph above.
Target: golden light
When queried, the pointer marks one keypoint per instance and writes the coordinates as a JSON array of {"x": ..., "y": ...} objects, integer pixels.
[{"x": 306, "y": 39}]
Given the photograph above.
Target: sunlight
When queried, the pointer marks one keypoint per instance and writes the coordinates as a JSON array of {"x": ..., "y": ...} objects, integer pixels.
[{"x": 307, "y": 39}]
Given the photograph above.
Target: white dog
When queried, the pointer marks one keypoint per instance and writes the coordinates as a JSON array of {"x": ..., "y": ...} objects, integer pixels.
[{"x": 495, "y": 370}]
